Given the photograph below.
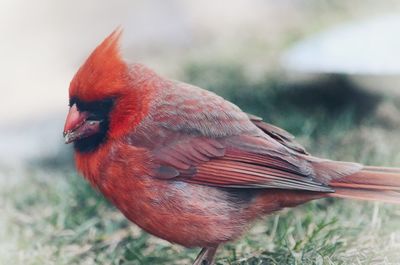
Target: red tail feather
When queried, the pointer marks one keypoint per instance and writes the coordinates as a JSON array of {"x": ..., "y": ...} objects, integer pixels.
[{"x": 370, "y": 183}]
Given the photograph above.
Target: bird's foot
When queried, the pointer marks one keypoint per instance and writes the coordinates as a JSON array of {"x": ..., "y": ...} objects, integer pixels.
[{"x": 206, "y": 256}]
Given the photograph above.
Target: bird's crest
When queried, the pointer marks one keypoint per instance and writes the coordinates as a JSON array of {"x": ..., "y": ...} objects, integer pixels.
[{"x": 104, "y": 74}]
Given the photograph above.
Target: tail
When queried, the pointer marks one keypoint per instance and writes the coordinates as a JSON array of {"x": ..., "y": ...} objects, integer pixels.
[{"x": 370, "y": 183}]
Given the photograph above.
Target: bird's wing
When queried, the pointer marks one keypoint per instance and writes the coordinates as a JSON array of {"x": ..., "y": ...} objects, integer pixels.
[
  {"x": 238, "y": 161},
  {"x": 198, "y": 137}
]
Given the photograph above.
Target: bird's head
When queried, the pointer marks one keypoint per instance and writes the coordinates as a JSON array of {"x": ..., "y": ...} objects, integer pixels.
[{"x": 103, "y": 98}]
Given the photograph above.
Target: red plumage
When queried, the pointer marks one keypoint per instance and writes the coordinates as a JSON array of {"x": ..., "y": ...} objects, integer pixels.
[{"x": 190, "y": 167}]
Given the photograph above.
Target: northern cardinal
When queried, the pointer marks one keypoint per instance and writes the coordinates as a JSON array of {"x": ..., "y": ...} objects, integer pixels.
[{"x": 190, "y": 167}]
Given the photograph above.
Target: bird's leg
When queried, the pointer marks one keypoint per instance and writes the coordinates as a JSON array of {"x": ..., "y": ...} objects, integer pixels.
[{"x": 206, "y": 256}]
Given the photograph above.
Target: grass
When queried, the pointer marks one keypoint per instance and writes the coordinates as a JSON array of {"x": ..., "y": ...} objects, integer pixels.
[{"x": 52, "y": 216}]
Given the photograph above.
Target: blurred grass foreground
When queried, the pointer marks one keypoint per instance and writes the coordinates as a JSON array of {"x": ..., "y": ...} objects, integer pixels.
[
  {"x": 50, "y": 215},
  {"x": 54, "y": 217}
]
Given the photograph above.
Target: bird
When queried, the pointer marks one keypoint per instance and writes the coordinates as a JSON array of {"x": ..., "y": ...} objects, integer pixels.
[{"x": 190, "y": 167}]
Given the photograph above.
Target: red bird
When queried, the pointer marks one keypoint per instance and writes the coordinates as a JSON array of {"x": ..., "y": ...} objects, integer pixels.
[{"x": 190, "y": 167}]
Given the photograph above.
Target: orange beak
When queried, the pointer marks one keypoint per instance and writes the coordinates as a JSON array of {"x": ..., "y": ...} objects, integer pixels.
[{"x": 77, "y": 125}]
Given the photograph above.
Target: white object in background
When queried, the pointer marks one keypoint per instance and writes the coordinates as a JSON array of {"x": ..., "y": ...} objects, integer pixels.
[{"x": 367, "y": 51}]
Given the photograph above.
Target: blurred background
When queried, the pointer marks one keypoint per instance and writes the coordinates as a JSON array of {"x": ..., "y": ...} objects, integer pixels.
[{"x": 326, "y": 71}]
